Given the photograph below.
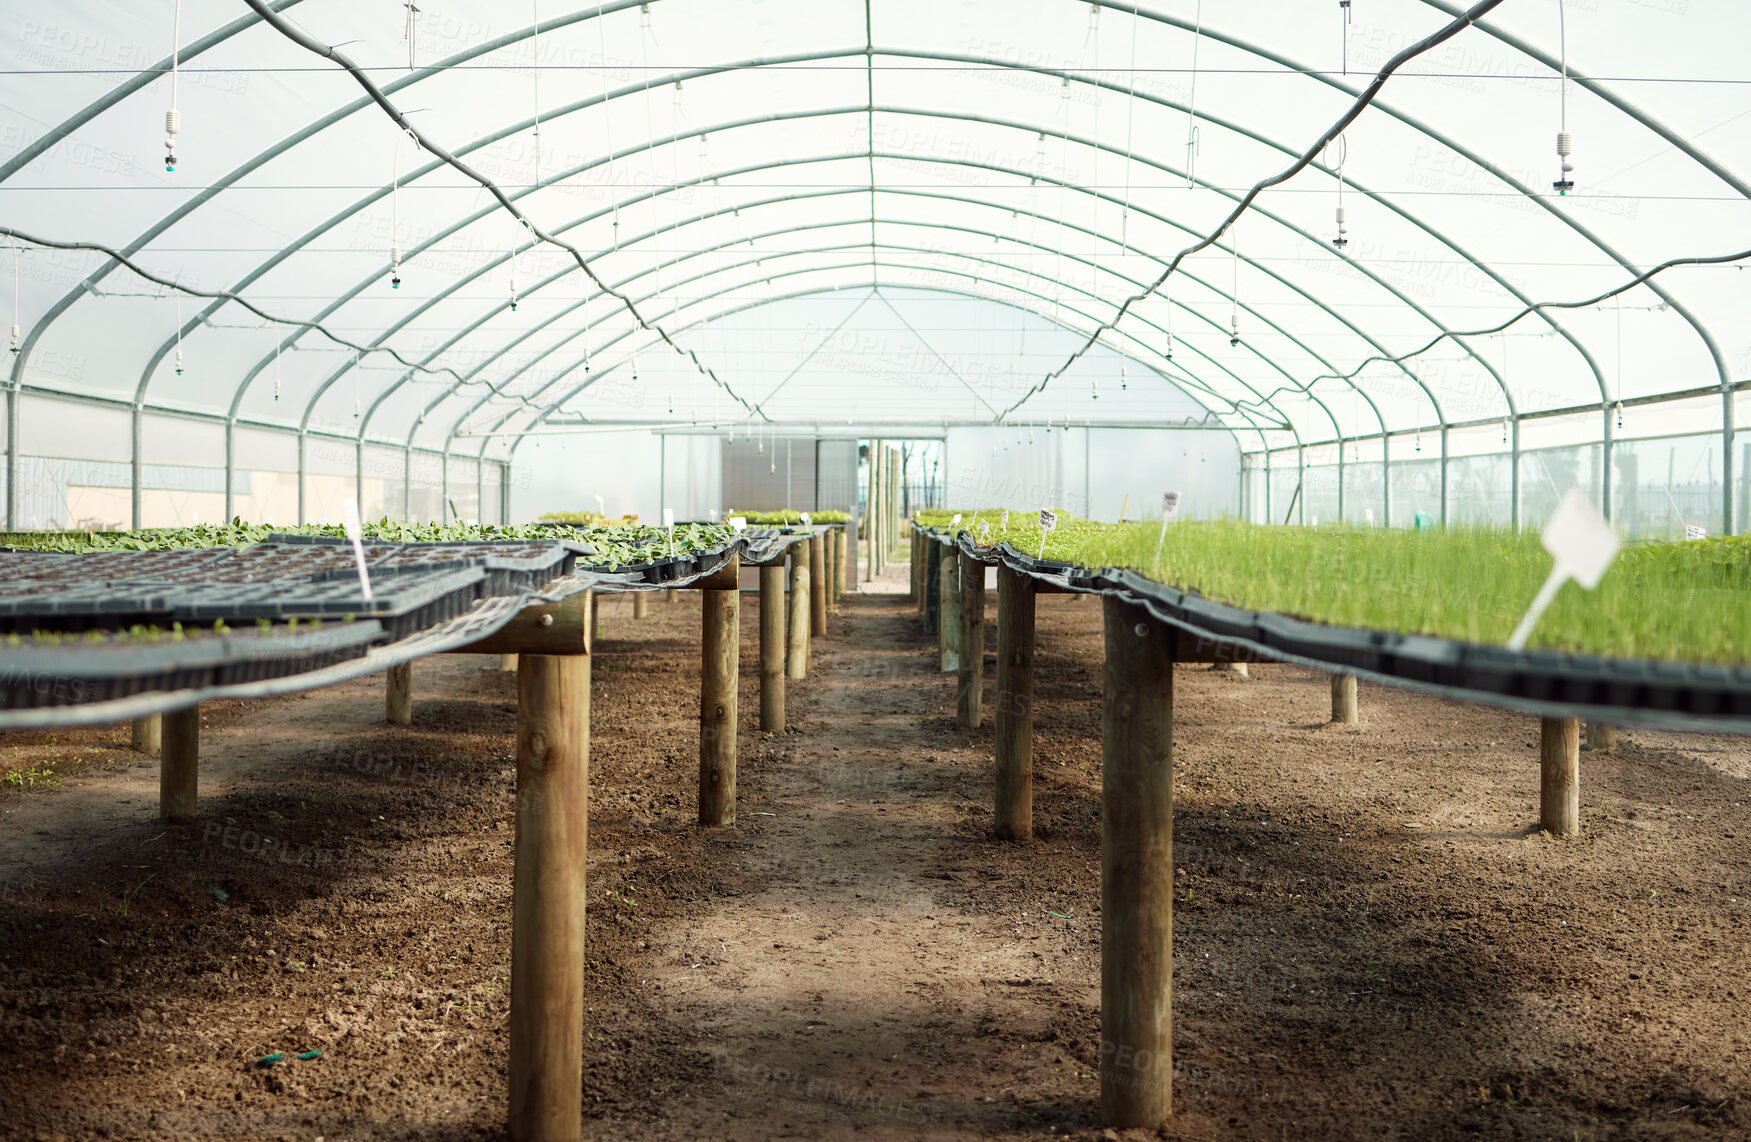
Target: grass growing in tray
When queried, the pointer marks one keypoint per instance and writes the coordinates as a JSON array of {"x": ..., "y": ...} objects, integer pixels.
[{"x": 1687, "y": 601}]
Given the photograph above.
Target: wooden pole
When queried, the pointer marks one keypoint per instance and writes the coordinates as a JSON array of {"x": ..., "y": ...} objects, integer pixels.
[
  {"x": 595, "y": 606},
  {"x": 948, "y": 631},
  {"x": 970, "y": 679},
  {"x": 398, "y": 695},
  {"x": 1343, "y": 699},
  {"x": 507, "y": 662},
  {"x": 179, "y": 764},
  {"x": 817, "y": 586},
  {"x": 641, "y": 601},
  {"x": 1014, "y": 705},
  {"x": 842, "y": 560},
  {"x": 547, "y": 897},
  {"x": 1559, "y": 776},
  {"x": 148, "y": 735},
  {"x": 916, "y": 577},
  {"x": 772, "y": 648},
  {"x": 1136, "y": 891},
  {"x": 932, "y": 586},
  {"x": 671, "y": 595},
  {"x": 797, "y": 630},
  {"x": 719, "y": 658},
  {"x": 1601, "y": 736}
]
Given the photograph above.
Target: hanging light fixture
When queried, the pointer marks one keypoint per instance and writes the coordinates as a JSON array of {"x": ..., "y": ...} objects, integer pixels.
[
  {"x": 173, "y": 117},
  {"x": 1565, "y": 145},
  {"x": 276, "y": 373},
  {"x": 1343, "y": 238}
]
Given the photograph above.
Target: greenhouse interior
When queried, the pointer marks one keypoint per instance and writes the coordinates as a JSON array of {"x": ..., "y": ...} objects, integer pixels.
[{"x": 1078, "y": 568}]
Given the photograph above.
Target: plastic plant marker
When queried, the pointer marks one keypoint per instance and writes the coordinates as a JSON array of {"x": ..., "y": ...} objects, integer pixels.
[
  {"x": 1169, "y": 509},
  {"x": 739, "y": 522},
  {"x": 1583, "y": 544},
  {"x": 1005, "y": 521},
  {"x": 270, "y": 1060},
  {"x": 1691, "y": 532},
  {"x": 1048, "y": 523},
  {"x": 356, "y": 532},
  {"x": 669, "y": 525},
  {"x": 984, "y": 531},
  {"x": 1368, "y": 515},
  {"x": 955, "y": 520},
  {"x": 805, "y": 519},
  {"x": 308, "y": 1055}
]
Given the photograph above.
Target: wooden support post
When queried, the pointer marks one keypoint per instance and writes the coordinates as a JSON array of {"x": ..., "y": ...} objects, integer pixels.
[
  {"x": 547, "y": 897},
  {"x": 874, "y": 511},
  {"x": 595, "y": 617},
  {"x": 719, "y": 658},
  {"x": 1014, "y": 705},
  {"x": 1559, "y": 776},
  {"x": 1136, "y": 884},
  {"x": 932, "y": 586},
  {"x": 398, "y": 695},
  {"x": 641, "y": 601},
  {"x": 918, "y": 573},
  {"x": 148, "y": 735},
  {"x": 948, "y": 631},
  {"x": 772, "y": 648},
  {"x": 842, "y": 560},
  {"x": 797, "y": 630},
  {"x": 507, "y": 662},
  {"x": 1601, "y": 736},
  {"x": 817, "y": 587},
  {"x": 671, "y": 595},
  {"x": 1343, "y": 699},
  {"x": 970, "y": 680},
  {"x": 179, "y": 765}
]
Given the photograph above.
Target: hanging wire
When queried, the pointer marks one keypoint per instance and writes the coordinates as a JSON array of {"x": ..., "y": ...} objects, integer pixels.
[
  {"x": 408, "y": 32},
  {"x": 276, "y": 373},
  {"x": 1344, "y": 33},
  {"x": 173, "y": 117},
  {"x": 179, "y": 334},
  {"x": 1234, "y": 291},
  {"x": 1343, "y": 238},
  {"x": 535, "y": 74},
  {"x": 17, "y": 252},
  {"x": 1192, "y": 101},
  {"x": 395, "y": 214},
  {"x": 1564, "y": 144},
  {"x": 1130, "y": 115}
]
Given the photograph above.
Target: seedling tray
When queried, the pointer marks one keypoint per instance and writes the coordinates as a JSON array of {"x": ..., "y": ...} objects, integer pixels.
[{"x": 35, "y": 677}]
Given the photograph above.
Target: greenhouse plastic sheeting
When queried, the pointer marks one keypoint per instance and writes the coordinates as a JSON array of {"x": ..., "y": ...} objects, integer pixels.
[{"x": 800, "y": 159}]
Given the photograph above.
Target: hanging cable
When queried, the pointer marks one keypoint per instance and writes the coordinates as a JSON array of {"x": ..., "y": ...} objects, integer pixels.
[
  {"x": 1344, "y": 33},
  {"x": 1343, "y": 238},
  {"x": 276, "y": 374},
  {"x": 408, "y": 32},
  {"x": 1244, "y": 203},
  {"x": 395, "y": 217},
  {"x": 535, "y": 74},
  {"x": 1564, "y": 144},
  {"x": 274, "y": 20},
  {"x": 173, "y": 117},
  {"x": 1234, "y": 293},
  {"x": 179, "y": 334},
  {"x": 1192, "y": 101},
  {"x": 16, "y": 276}
]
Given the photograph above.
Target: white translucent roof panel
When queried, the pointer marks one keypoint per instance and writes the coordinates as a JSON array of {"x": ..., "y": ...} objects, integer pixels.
[{"x": 700, "y": 170}]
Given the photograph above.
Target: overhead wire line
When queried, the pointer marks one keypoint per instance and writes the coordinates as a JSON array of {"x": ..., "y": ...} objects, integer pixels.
[
  {"x": 284, "y": 27},
  {"x": 1366, "y": 97},
  {"x": 226, "y": 295}
]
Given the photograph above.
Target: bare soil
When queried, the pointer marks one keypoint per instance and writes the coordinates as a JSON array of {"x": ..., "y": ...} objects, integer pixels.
[{"x": 1371, "y": 938}]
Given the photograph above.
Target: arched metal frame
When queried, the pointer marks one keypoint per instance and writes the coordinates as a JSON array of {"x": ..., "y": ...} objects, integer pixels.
[{"x": 870, "y": 51}]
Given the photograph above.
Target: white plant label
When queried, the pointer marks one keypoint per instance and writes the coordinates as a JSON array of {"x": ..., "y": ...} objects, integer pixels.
[
  {"x": 1005, "y": 521},
  {"x": 738, "y": 522},
  {"x": 1691, "y": 531},
  {"x": 1048, "y": 524},
  {"x": 1169, "y": 509},
  {"x": 1583, "y": 544},
  {"x": 669, "y": 524},
  {"x": 805, "y": 519},
  {"x": 955, "y": 520},
  {"x": 356, "y": 532},
  {"x": 984, "y": 531},
  {"x": 1368, "y": 514},
  {"x": 601, "y": 507}
]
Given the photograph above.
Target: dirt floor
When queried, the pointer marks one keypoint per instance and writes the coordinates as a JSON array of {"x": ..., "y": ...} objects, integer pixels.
[{"x": 1371, "y": 939}]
